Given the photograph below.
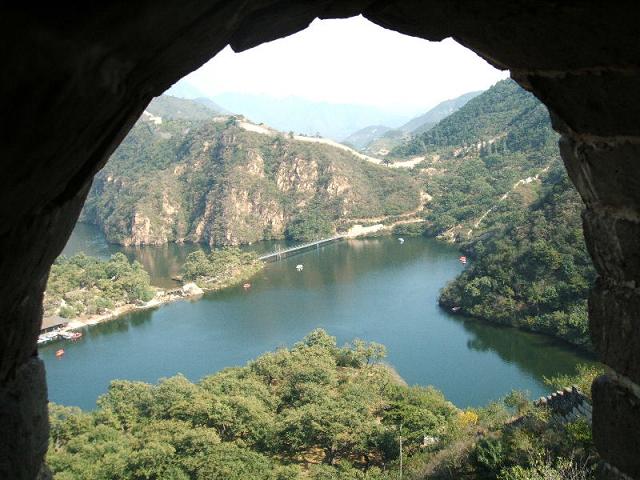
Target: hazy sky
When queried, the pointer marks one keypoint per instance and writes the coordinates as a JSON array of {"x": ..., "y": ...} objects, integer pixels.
[{"x": 350, "y": 61}]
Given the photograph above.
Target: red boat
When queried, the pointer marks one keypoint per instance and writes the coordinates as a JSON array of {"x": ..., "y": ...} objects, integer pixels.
[{"x": 59, "y": 353}]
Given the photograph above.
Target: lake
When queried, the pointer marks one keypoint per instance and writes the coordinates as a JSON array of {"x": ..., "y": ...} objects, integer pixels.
[{"x": 375, "y": 289}]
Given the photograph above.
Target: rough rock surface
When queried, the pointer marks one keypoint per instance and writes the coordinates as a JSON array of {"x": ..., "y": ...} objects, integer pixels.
[
  {"x": 221, "y": 183},
  {"x": 76, "y": 79},
  {"x": 616, "y": 424}
]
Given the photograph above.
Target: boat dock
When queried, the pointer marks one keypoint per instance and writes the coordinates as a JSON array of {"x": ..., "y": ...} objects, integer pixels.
[{"x": 288, "y": 252}]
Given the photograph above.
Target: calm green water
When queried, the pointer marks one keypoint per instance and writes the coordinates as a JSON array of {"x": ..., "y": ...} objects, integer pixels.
[{"x": 376, "y": 289}]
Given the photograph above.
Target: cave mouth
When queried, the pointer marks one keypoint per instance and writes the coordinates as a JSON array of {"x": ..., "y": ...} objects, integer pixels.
[{"x": 103, "y": 66}]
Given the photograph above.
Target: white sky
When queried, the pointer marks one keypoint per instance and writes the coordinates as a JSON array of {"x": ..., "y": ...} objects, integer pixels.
[{"x": 350, "y": 61}]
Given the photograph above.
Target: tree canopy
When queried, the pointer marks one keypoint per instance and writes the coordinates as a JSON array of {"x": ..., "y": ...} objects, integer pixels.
[
  {"x": 532, "y": 270},
  {"x": 220, "y": 268},
  {"x": 87, "y": 285},
  {"x": 315, "y": 410}
]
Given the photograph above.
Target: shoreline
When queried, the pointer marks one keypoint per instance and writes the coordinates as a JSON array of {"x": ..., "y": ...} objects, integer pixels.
[
  {"x": 584, "y": 350},
  {"x": 163, "y": 297},
  {"x": 96, "y": 319},
  {"x": 355, "y": 232}
]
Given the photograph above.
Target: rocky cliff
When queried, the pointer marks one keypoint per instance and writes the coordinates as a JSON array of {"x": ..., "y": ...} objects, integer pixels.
[{"x": 223, "y": 181}]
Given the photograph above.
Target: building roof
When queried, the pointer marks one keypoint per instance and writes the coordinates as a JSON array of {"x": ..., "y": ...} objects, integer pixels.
[{"x": 54, "y": 321}]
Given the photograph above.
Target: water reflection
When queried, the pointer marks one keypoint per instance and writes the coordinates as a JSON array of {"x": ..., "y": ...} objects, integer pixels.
[
  {"x": 537, "y": 355},
  {"x": 120, "y": 325},
  {"x": 163, "y": 262}
]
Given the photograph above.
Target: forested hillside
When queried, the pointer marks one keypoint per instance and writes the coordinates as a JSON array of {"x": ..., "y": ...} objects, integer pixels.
[
  {"x": 531, "y": 268},
  {"x": 499, "y": 189},
  {"x": 225, "y": 181},
  {"x": 494, "y": 146},
  {"x": 505, "y": 111},
  {"x": 379, "y": 139},
  {"x": 315, "y": 411}
]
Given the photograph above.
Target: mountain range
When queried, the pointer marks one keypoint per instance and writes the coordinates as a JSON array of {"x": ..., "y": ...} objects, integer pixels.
[
  {"x": 490, "y": 171},
  {"x": 174, "y": 108},
  {"x": 379, "y": 139},
  {"x": 427, "y": 120},
  {"x": 300, "y": 115},
  {"x": 340, "y": 122}
]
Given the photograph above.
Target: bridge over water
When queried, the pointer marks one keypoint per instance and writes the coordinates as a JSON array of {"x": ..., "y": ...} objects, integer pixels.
[{"x": 288, "y": 252}]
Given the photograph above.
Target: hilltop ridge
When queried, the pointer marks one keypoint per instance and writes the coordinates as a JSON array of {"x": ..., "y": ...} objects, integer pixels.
[
  {"x": 499, "y": 190},
  {"x": 380, "y": 139},
  {"x": 223, "y": 180}
]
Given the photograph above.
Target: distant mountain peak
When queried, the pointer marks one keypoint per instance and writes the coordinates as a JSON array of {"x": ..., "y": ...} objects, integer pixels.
[
  {"x": 437, "y": 113},
  {"x": 309, "y": 117},
  {"x": 379, "y": 138}
]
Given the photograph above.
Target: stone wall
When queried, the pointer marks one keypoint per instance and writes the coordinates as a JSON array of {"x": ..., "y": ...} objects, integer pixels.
[
  {"x": 77, "y": 77},
  {"x": 567, "y": 405}
]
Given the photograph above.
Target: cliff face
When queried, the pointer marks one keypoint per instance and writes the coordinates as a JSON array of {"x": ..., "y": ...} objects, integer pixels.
[{"x": 220, "y": 183}]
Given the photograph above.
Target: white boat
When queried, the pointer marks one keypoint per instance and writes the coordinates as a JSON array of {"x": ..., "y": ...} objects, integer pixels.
[
  {"x": 47, "y": 337},
  {"x": 299, "y": 267},
  {"x": 401, "y": 240}
]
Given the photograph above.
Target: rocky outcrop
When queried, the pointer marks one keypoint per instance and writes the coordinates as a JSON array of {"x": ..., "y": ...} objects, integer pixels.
[
  {"x": 140, "y": 231},
  {"x": 245, "y": 218},
  {"x": 222, "y": 183},
  {"x": 191, "y": 289}
]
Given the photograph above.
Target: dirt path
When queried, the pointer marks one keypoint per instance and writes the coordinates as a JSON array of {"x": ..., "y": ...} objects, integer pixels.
[
  {"x": 502, "y": 198},
  {"x": 424, "y": 198},
  {"x": 359, "y": 230},
  {"x": 251, "y": 127}
]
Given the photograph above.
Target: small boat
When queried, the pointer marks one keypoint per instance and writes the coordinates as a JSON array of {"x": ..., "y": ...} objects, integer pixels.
[
  {"x": 66, "y": 335},
  {"x": 246, "y": 286},
  {"x": 401, "y": 240},
  {"x": 76, "y": 335},
  {"x": 59, "y": 353},
  {"x": 463, "y": 259},
  {"x": 299, "y": 267},
  {"x": 455, "y": 309},
  {"x": 47, "y": 337}
]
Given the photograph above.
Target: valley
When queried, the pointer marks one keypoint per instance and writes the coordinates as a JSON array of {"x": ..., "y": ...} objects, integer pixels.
[
  {"x": 199, "y": 176},
  {"x": 375, "y": 289},
  {"x": 195, "y": 194}
]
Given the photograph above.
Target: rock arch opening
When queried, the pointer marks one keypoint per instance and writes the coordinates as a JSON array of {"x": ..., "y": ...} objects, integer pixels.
[{"x": 102, "y": 66}]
